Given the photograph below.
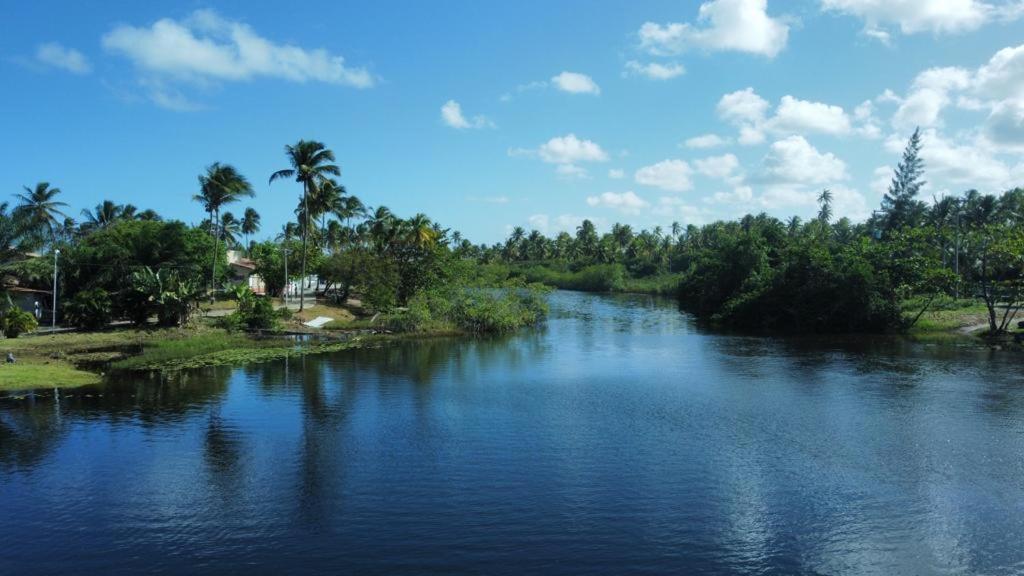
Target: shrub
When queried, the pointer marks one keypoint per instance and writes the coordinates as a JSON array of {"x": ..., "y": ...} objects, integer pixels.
[
  {"x": 16, "y": 322},
  {"x": 256, "y": 312},
  {"x": 89, "y": 309}
]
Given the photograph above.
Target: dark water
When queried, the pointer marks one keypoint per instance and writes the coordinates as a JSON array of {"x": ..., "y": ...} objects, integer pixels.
[{"x": 620, "y": 439}]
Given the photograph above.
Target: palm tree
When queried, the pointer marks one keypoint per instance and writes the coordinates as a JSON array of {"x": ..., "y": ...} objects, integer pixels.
[
  {"x": 230, "y": 227},
  {"x": 105, "y": 214},
  {"x": 825, "y": 203},
  {"x": 250, "y": 224},
  {"x": 420, "y": 231},
  {"x": 311, "y": 165},
  {"x": 221, "y": 184},
  {"x": 38, "y": 209}
]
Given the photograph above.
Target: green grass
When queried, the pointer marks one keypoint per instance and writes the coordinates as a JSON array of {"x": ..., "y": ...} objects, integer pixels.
[
  {"x": 946, "y": 316},
  {"x": 27, "y": 375},
  {"x": 173, "y": 352}
]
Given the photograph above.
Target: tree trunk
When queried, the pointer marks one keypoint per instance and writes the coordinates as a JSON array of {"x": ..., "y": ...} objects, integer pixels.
[
  {"x": 213, "y": 265},
  {"x": 305, "y": 237}
]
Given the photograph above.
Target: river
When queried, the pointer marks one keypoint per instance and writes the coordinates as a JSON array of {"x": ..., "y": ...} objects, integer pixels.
[{"x": 619, "y": 438}]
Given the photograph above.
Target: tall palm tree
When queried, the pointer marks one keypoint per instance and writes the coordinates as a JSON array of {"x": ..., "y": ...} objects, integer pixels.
[
  {"x": 221, "y": 184},
  {"x": 311, "y": 165},
  {"x": 250, "y": 224},
  {"x": 39, "y": 210}
]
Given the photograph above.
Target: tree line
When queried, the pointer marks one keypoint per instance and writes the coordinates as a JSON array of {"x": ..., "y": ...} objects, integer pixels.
[{"x": 824, "y": 274}]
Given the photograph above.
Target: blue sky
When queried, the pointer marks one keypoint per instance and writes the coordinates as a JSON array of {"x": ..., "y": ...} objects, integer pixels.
[{"x": 487, "y": 115}]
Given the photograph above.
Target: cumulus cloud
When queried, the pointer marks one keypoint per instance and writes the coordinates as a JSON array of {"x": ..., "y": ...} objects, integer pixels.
[
  {"x": 654, "y": 70},
  {"x": 69, "y": 59},
  {"x": 568, "y": 152},
  {"x": 723, "y": 25},
  {"x": 973, "y": 164},
  {"x": 935, "y": 16},
  {"x": 206, "y": 47},
  {"x": 575, "y": 83},
  {"x": 673, "y": 175},
  {"x": 749, "y": 112},
  {"x": 705, "y": 141},
  {"x": 722, "y": 167},
  {"x": 799, "y": 116},
  {"x": 793, "y": 160},
  {"x": 570, "y": 149},
  {"x": 451, "y": 115},
  {"x": 626, "y": 202}
]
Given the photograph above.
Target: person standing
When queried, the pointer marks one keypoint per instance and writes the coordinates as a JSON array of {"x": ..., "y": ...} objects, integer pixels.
[{"x": 38, "y": 312}]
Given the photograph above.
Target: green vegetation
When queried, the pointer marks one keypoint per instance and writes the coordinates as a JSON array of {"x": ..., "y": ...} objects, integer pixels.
[{"x": 23, "y": 376}]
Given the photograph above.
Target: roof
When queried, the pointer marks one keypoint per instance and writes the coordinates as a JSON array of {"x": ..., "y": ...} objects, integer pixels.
[
  {"x": 20, "y": 290},
  {"x": 244, "y": 263}
]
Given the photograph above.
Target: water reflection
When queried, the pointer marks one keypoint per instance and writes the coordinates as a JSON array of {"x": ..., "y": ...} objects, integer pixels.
[{"x": 617, "y": 439}]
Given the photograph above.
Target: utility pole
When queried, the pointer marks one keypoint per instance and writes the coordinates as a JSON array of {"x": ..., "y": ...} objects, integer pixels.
[
  {"x": 956, "y": 255},
  {"x": 285, "y": 276},
  {"x": 53, "y": 313}
]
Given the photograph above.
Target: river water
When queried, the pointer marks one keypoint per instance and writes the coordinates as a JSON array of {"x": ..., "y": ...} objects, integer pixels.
[{"x": 620, "y": 438}]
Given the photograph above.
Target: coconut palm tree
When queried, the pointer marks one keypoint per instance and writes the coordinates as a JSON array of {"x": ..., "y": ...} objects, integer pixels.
[
  {"x": 250, "y": 224},
  {"x": 311, "y": 163},
  {"x": 39, "y": 210},
  {"x": 104, "y": 214},
  {"x": 221, "y": 184},
  {"x": 420, "y": 231},
  {"x": 230, "y": 227},
  {"x": 10, "y": 236}
]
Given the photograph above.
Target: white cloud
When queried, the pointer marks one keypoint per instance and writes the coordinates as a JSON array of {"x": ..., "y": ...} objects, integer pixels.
[
  {"x": 626, "y": 202},
  {"x": 718, "y": 167},
  {"x": 451, "y": 115},
  {"x": 655, "y": 70},
  {"x": 930, "y": 94},
  {"x": 705, "y": 141},
  {"x": 726, "y": 25},
  {"x": 793, "y": 160},
  {"x": 935, "y": 16},
  {"x": 671, "y": 175},
  {"x": 800, "y": 116},
  {"x": 489, "y": 199},
  {"x": 53, "y": 54},
  {"x": 674, "y": 207},
  {"x": 743, "y": 106},
  {"x": 1005, "y": 125},
  {"x": 563, "y": 223},
  {"x": 970, "y": 164},
  {"x": 749, "y": 112},
  {"x": 616, "y": 174},
  {"x": 572, "y": 172},
  {"x": 575, "y": 83},
  {"x": 206, "y": 47},
  {"x": 569, "y": 149},
  {"x": 1002, "y": 77}
]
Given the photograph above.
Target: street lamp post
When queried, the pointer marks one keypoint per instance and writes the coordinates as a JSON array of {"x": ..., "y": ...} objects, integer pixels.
[{"x": 53, "y": 313}]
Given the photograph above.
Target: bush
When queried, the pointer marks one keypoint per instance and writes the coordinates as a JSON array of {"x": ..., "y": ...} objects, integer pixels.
[
  {"x": 16, "y": 322},
  {"x": 254, "y": 313},
  {"x": 89, "y": 309}
]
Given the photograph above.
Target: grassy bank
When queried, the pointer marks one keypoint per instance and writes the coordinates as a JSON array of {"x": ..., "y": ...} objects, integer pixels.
[
  {"x": 947, "y": 318},
  {"x": 597, "y": 278}
]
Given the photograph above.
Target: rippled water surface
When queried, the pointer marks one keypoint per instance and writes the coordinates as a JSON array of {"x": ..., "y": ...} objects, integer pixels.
[{"x": 619, "y": 439}]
